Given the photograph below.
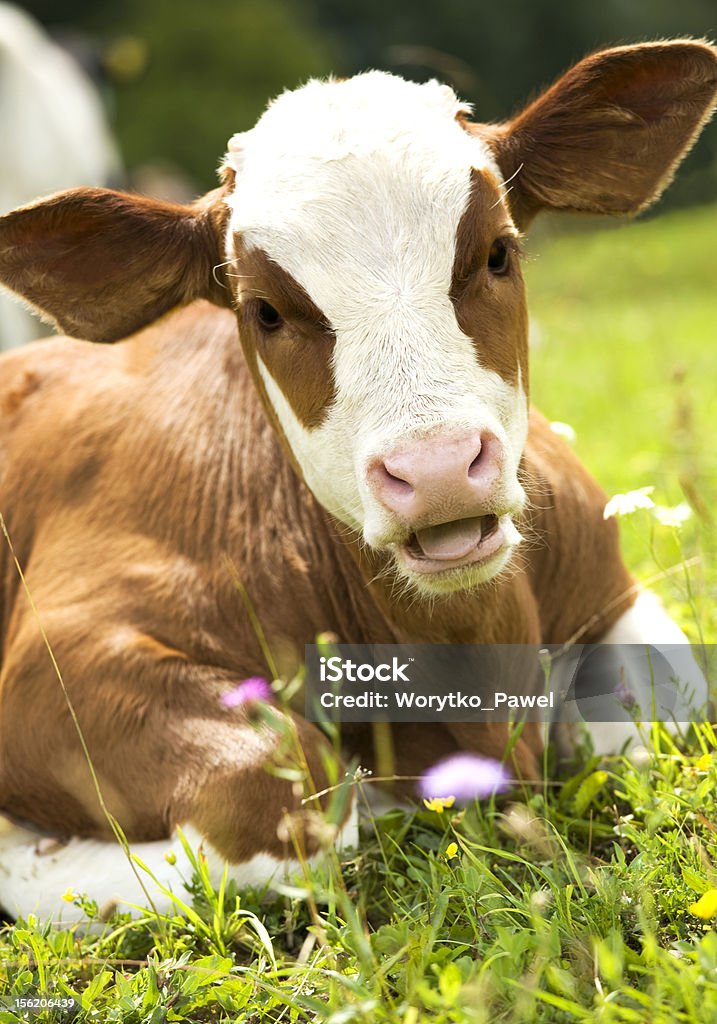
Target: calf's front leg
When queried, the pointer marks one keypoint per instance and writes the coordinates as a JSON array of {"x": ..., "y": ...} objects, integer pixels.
[
  {"x": 246, "y": 810},
  {"x": 665, "y": 684}
]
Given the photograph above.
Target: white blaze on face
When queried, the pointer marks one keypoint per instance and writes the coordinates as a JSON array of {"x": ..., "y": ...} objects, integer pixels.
[{"x": 356, "y": 188}]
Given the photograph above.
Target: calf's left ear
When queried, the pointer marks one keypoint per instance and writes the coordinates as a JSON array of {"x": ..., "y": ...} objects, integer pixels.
[
  {"x": 608, "y": 136},
  {"x": 101, "y": 264}
]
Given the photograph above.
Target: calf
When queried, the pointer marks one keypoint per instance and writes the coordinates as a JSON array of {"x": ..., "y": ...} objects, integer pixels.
[{"x": 320, "y": 376}]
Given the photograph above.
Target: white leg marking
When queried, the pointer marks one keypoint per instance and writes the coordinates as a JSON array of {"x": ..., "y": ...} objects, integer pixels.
[
  {"x": 647, "y": 622},
  {"x": 34, "y": 882}
]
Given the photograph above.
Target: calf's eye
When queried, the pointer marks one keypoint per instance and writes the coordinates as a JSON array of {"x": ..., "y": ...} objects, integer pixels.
[
  {"x": 269, "y": 318},
  {"x": 499, "y": 257}
]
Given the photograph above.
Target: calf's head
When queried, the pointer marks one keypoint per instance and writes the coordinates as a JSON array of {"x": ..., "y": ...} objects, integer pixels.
[{"x": 366, "y": 233}]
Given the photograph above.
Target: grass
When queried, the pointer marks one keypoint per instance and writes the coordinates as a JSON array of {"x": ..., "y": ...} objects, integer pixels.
[
  {"x": 626, "y": 324},
  {"x": 568, "y": 905}
]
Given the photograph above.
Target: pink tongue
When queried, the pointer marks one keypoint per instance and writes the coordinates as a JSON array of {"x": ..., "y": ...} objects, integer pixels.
[{"x": 450, "y": 541}]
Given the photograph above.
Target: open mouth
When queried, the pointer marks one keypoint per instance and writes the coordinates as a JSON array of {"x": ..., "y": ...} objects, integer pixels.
[{"x": 453, "y": 545}]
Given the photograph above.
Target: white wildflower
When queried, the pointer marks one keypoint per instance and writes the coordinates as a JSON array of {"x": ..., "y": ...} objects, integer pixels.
[
  {"x": 626, "y": 504},
  {"x": 564, "y": 430},
  {"x": 674, "y": 517}
]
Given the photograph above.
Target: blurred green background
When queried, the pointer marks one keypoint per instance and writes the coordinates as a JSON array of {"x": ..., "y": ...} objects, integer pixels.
[{"x": 181, "y": 76}]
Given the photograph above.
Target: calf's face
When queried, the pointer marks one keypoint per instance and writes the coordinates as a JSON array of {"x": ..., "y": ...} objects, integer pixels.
[
  {"x": 366, "y": 235},
  {"x": 374, "y": 265}
]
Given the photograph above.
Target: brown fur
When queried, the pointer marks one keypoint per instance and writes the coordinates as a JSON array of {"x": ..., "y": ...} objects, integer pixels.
[
  {"x": 490, "y": 308},
  {"x": 129, "y": 475},
  {"x": 299, "y": 354}
]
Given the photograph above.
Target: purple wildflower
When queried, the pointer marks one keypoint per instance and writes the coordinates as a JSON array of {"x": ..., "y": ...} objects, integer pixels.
[
  {"x": 624, "y": 694},
  {"x": 466, "y": 777},
  {"x": 255, "y": 689}
]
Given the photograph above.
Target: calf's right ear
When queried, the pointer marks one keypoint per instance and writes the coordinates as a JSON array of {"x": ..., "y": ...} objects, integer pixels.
[
  {"x": 609, "y": 134},
  {"x": 101, "y": 264}
]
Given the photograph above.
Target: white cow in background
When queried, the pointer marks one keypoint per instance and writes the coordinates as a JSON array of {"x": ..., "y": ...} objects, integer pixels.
[{"x": 53, "y": 135}]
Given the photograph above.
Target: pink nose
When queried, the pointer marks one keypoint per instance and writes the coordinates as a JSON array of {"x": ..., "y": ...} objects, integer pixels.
[{"x": 438, "y": 479}]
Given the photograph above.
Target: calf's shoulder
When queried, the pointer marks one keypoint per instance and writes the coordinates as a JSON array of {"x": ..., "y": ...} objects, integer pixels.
[{"x": 572, "y": 553}]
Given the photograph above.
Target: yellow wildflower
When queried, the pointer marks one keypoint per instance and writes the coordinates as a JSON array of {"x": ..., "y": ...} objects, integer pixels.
[
  {"x": 439, "y": 803},
  {"x": 704, "y": 763},
  {"x": 451, "y": 850},
  {"x": 69, "y": 896},
  {"x": 170, "y": 857},
  {"x": 706, "y": 905}
]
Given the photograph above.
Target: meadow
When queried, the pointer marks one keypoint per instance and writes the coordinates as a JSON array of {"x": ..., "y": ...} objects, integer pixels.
[{"x": 587, "y": 901}]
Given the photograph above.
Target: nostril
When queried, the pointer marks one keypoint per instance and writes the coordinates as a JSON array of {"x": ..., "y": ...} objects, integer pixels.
[
  {"x": 389, "y": 486},
  {"x": 486, "y": 461},
  {"x": 391, "y": 482},
  {"x": 399, "y": 486},
  {"x": 476, "y": 465}
]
